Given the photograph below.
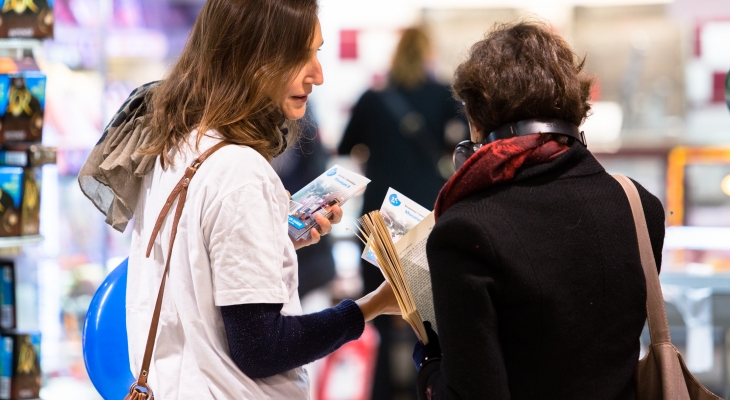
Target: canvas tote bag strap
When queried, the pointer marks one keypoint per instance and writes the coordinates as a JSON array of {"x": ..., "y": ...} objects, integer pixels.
[
  {"x": 655, "y": 312},
  {"x": 181, "y": 191}
]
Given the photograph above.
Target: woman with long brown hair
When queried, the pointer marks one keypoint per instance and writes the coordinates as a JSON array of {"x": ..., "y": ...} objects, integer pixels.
[{"x": 230, "y": 324}]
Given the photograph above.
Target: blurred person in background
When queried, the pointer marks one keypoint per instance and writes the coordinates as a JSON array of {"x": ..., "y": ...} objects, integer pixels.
[
  {"x": 538, "y": 286},
  {"x": 404, "y": 134},
  {"x": 231, "y": 323},
  {"x": 297, "y": 168}
]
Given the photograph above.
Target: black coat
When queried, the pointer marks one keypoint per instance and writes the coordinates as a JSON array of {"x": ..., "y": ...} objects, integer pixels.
[{"x": 538, "y": 287}]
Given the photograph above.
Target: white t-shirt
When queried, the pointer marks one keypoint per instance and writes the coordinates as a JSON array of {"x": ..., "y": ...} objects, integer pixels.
[{"x": 231, "y": 247}]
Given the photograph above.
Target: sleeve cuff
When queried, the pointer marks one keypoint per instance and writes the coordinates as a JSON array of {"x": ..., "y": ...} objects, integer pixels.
[
  {"x": 425, "y": 379},
  {"x": 251, "y": 296},
  {"x": 352, "y": 318}
]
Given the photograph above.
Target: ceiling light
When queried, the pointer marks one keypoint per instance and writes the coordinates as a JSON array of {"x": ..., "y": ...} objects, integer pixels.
[{"x": 725, "y": 185}]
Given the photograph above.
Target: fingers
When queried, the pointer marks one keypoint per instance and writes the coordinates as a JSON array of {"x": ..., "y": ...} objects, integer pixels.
[
  {"x": 388, "y": 299},
  {"x": 385, "y": 289},
  {"x": 314, "y": 237},
  {"x": 325, "y": 226},
  {"x": 336, "y": 216}
]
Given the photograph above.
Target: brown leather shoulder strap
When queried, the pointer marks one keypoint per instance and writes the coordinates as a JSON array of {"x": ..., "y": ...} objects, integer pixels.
[
  {"x": 181, "y": 191},
  {"x": 655, "y": 312},
  {"x": 183, "y": 183}
]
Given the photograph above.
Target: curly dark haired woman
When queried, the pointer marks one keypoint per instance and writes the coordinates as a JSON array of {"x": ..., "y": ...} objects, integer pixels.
[{"x": 538, "y": 286}]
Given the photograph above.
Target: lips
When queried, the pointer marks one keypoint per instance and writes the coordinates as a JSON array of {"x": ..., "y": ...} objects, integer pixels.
[{"x": 300, "y": 99}]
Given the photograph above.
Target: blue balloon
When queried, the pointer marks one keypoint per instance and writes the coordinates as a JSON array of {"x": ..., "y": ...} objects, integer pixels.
[{"x": 106, "y": 352}]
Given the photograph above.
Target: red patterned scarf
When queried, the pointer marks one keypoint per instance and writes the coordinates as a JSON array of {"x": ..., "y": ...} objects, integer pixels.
[{"x": 496, "y": 162}]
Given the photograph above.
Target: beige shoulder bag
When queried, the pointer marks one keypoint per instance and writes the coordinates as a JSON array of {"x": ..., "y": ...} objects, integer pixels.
[
  {"x": 662, "y": 373},
  {"x": 181, "y": 190}
]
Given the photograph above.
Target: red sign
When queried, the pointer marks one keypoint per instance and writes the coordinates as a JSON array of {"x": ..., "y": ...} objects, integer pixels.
[{"x": 348, "y": 44}]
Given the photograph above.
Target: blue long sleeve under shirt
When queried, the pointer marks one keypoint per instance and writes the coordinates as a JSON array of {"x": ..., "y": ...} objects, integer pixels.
[{"x": 263, "y": 342}]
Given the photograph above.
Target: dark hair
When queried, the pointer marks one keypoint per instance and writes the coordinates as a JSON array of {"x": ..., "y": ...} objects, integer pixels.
[
  {"x": 521, "y": 71},
  {"x": 238, "y": 59},
  {"x": 408, "y": 68}
]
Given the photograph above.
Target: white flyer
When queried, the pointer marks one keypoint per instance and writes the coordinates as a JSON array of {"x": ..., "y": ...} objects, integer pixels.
[{"x": 401, "y": 214}]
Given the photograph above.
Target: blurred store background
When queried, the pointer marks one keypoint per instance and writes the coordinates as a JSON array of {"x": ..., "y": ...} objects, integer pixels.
[{"x": 659, "y": 116}]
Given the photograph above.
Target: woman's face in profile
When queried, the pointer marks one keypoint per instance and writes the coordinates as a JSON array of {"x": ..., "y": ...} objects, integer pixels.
[{"x": 294, "y": 101}]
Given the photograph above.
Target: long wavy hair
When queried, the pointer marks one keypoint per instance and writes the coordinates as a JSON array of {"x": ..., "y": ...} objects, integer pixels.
[{"x": 238, "y": 60}]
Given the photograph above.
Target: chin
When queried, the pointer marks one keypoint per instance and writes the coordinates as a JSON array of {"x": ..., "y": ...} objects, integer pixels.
[{"x": 295, "y": 113}]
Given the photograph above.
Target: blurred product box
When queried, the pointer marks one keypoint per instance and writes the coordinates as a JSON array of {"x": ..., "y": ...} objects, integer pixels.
[
  {"x": 24, "y": 155},
  {"x": 7, "y": 294},
  {"x": 20, "y": 368},
  {"x": 26, "y": 19},
  {"x": 22, "y": 101},
  {"x": 20, "y": 201},
  {"x": 30, "y": 211},
  {"x": 11, "y": 191}
]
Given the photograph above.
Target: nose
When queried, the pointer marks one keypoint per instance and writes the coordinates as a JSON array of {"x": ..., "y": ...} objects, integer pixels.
[{"x": 315, "y": 75}]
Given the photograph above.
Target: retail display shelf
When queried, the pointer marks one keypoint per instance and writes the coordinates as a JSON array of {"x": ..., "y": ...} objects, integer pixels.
[
  {"x": 20, "y": 43},
  {"x": 20, "y": 241}
]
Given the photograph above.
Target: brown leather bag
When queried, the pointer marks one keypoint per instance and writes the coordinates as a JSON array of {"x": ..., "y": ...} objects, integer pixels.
[
  {"x": 662, "y": 373},
  {"x": 181, "y": 190}
]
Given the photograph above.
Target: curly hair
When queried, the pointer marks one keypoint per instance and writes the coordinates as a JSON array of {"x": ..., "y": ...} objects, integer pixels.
[{"x": 521, "y": 71}]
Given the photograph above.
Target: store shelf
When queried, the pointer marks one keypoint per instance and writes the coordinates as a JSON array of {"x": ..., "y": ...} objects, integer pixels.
[
  {"x": 20, "y": 43},
  {"x": 19, "y": 241}
]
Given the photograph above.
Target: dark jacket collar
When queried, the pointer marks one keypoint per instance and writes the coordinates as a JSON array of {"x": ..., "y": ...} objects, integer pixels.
[{"x": 577, "y": 161}]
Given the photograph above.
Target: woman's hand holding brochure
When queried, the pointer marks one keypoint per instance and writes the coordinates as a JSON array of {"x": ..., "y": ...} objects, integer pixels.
[
  {"x": 324, "y": 227},
  {"x": 322, "y": 197},
  {"x": 312, "y": 212}
]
